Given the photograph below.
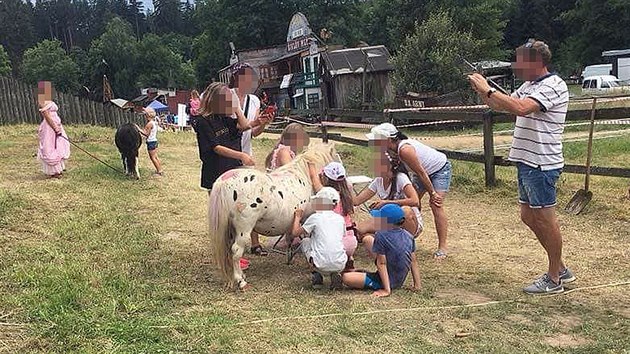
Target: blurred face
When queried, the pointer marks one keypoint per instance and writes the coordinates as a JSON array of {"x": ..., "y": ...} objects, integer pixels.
[
  {"x": 224, "y": 103},
  {"x": 247, "y": 82},
  {"x": 320, "y": 204},
  {"x": 527, "y": 65},
  {"x": 381, "y": 165},
  {"x": 44, "y": 92}
]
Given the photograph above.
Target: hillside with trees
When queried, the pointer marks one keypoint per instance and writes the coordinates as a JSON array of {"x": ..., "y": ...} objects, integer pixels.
[{"x": 183, "y": 45}]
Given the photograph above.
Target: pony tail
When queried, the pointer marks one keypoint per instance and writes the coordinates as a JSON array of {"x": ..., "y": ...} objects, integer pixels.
[
  {"x": 346, "y": 196},
  {"x": 401, "y": 136}
]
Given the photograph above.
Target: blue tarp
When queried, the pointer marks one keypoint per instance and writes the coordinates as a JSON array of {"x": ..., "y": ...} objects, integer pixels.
[{"x": 158, "y": 106}]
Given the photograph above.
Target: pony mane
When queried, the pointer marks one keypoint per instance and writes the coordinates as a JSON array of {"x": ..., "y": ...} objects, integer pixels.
[{"x": 318, "y": 153}]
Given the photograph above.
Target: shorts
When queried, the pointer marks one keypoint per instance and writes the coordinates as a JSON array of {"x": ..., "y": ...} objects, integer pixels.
[
  {"x": 372, "y": 281},
  {"x": 152, "y": 145},
  {"x": 441, "y": 179},
  {"x": 537, "y": 188}
]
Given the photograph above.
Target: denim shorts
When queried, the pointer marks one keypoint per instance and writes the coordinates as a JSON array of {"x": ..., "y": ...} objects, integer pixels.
[
  {"x": 537, "y": 188},
  {"x": 441, "y": 179},
  {"x": 152, "y": 145},
  {"x": 373, "y": 281}
]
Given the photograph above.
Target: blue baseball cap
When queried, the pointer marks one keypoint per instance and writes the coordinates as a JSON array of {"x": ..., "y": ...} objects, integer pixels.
[{"x": 392, "y": 212}]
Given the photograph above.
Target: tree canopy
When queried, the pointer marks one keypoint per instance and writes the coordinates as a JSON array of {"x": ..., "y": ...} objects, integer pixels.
[{"x": 185, "y": 43}]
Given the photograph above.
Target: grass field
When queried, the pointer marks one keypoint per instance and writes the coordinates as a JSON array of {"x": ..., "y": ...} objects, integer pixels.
[{"x": 95, "y": 262}]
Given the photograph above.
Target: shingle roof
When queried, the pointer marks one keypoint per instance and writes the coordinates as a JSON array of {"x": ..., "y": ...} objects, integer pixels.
[{"x": 352, "y": 60}]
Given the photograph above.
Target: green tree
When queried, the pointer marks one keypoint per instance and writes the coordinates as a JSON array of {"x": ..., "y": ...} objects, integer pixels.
[
  {"x": 428, "y": 60},
  {"x": 162, "y": 67},
  {"x": 48, "y": 61},
  {"x": 5, "y": 63},
  {"x": 115, "y": 54},
  {"x": 16, "y": 28},
  {"x": 167, "y": 16},
  {"x": 484, "y": 19},
  {"x": 595, "y": 26}
]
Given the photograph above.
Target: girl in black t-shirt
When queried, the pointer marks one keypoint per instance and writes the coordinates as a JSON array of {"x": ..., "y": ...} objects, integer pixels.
[{"x": 219, "y": 135}]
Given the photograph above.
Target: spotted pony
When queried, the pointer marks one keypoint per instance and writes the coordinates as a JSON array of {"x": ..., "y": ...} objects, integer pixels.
[{"x": 246, "y": 200}]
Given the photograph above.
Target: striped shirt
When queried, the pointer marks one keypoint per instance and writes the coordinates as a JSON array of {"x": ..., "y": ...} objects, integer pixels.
[{"x": 537, "y": 140}]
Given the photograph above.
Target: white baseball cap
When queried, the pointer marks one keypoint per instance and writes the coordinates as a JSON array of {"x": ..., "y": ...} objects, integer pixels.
[
  {"x": 382, "y": 131},
  {"x": 335, "y": 171},
  {"x": 327, "y": 193}
]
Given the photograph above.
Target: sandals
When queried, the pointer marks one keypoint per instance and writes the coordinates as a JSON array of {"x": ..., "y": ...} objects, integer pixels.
[
  {"x": 258, "y": 250},
  {"x": 439, "y": 255}
]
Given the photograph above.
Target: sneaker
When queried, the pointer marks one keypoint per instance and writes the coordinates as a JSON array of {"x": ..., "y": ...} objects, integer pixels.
[
  {"x": 317, "y": 280},
  {"x": 566, "y": 276},
  {"x": 544, "y": 286},
  {"x": 335, "y": 282}
]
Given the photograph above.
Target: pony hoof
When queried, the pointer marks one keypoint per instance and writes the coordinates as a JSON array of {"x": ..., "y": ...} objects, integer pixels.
[{"x": 243, "y": 285}]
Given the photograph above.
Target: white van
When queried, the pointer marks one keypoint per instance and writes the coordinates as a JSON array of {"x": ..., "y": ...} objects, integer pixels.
[
  {"x": 596, "y": 70},
  {"x": 601, "y": 84}
]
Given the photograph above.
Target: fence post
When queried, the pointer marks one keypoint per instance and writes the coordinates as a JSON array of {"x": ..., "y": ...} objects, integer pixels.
[{"x": 488, "y": 149}]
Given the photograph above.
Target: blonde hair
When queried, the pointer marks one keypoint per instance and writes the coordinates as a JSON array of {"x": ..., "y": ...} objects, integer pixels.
[
  {"x": 194, "y": 94},
  {"x": 209, "y": 99},
  {"x": 149, "y": 111},
  {"x": 289, "y": 136}
]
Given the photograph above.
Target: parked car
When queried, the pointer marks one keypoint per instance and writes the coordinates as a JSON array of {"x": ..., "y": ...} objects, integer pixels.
[
  {"x": 602, "y": 84},
  {"x": 596, "y": 70}
]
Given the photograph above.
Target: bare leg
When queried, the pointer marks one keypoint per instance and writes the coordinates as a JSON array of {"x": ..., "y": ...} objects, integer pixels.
[
  {"x": 441, "y": 225},
  {"x": 155, "y": 160},
  {"x": 549, "y": 234},
  {"x": 354, "y": 280},
  {"x": 544, "y": 224}
]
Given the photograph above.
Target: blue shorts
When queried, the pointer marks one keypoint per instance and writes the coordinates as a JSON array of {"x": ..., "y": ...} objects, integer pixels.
[
  {"x": 441, "y": 179},
  {"x": 537, "y": 188},
  {"x": 372, "y": 281},
  {"x": 152, "y": 145}
]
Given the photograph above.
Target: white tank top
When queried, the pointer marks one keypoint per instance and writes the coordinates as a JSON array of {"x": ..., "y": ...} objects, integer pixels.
[
  {"x": 153, "y": 134},
  {"x": 430, "y": 159}
]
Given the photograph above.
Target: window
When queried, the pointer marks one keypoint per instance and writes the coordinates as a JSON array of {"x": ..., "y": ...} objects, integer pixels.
[
  {"x": 586, "y": 84},
  {"x": 315, "y": 64},
  {"x": 297, "y": 33},
  {"x": 593, "y": 84},
  {"x": 313, "y": 100},
  {"x": 605, "y": 84}
]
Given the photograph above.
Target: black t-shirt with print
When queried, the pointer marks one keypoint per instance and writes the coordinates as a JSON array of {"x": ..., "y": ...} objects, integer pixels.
[{"x": 213, "y": 131}]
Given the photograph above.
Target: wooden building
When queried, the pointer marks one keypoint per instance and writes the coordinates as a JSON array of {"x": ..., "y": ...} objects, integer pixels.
[{"x": 358, "y": 77}]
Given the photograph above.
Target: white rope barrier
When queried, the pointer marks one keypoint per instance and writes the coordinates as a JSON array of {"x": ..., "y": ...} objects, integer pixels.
[{"x": 422, "y": 308}]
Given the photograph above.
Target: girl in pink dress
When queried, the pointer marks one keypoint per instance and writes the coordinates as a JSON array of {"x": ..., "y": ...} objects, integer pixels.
[{"x": 54, "y": 148}]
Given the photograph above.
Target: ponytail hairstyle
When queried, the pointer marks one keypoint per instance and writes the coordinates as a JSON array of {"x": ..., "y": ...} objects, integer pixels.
[
  {"x": 210, "y": 99},
  {"x": 396, "y": 166},
  {"x": 344, "y": 192},
  {"x": 400, "y": 136}
]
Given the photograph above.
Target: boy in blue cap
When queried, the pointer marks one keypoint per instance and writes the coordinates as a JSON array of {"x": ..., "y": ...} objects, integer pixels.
[{"x": 394, "y": 250}]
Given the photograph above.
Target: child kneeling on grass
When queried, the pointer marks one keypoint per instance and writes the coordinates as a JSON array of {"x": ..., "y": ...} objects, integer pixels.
[
  {"x": 394, "y": 249},
  {"x": 323, "y": 248}
]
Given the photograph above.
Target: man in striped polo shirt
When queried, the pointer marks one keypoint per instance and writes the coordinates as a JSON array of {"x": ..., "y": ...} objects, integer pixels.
[{"x": 540, "y": 106}]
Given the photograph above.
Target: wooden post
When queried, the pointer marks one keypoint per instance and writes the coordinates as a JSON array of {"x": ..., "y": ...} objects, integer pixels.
[{"x": 488, "y": 149}]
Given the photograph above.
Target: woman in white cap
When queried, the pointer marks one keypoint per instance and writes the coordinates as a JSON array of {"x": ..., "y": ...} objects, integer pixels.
[
  {"x": 334, "y": 175},
  {"x": 429, "y": 169}
]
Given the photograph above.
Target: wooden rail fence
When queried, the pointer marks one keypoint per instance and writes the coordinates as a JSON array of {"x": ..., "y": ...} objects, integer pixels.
[{"x": 18, "y": 104}]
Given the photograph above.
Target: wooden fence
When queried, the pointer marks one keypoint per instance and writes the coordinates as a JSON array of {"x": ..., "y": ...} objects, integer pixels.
[
  {"x": 18, "y": 104},
  {"x": 485, "y": 117}
]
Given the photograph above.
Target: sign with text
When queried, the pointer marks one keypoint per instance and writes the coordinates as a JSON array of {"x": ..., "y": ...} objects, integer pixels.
[{"x": 298, "y": 44}]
